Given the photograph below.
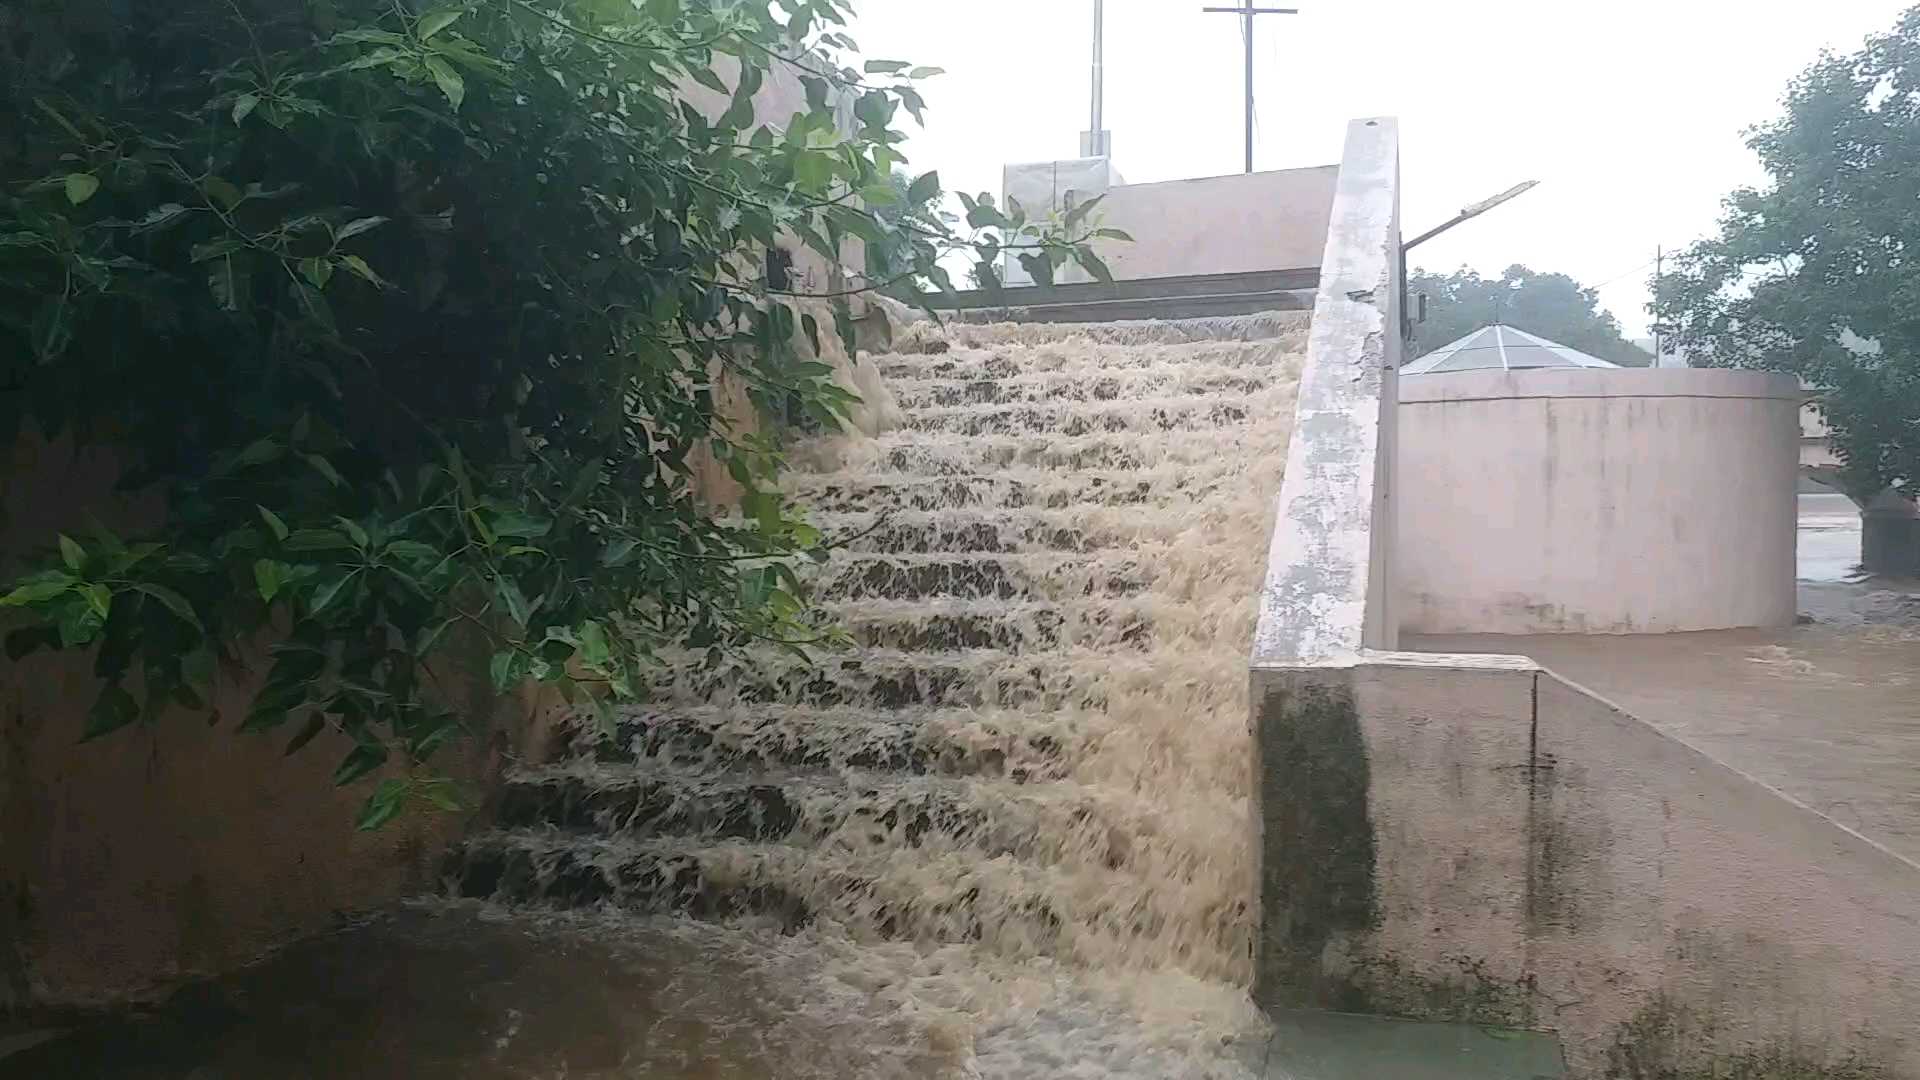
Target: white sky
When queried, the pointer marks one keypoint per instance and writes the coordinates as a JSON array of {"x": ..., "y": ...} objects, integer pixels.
[{"x": 1629, "y": 112}]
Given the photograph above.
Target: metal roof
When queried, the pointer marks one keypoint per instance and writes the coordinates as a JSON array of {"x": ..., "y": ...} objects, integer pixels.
[{"x": 1505, "y": 348}]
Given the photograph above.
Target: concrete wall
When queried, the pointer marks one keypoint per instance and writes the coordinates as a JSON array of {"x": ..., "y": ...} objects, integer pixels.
[
  {"x": 1534, "y": 856},
  {"x": 1216, "y": 224},
  {"x": 183, "y": 848},
  {"x": 1597, "y": 501}
]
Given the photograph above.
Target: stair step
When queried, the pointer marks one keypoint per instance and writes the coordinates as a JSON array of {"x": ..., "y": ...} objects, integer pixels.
[
  {"x": 1016, "y": 489},
  {"x": 970, "y": 678},
  {"x": 960, "y": 742},
  {"x": 946, "y": 625},
  {"x": 1288, "y": 328},
  {"x": 1175, "y": 412},
  {"x": 1006, "y": 906},
  {"x": 1075, "y": 384},
  {"x": 943, "y": 454},
  {"x": 1022, "y": 575}
]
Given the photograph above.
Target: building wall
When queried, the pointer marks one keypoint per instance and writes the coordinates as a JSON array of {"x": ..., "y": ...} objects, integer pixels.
[
  {"x": 1217, "y": 224},
  {"x": 1635, "y": 501}
]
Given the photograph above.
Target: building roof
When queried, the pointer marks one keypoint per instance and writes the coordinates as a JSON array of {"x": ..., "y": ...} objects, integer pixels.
[{"x": 1505, "y": 348}]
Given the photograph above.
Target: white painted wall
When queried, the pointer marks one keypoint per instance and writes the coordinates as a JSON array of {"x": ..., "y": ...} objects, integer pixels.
[{"x": 1625, "y": 501}]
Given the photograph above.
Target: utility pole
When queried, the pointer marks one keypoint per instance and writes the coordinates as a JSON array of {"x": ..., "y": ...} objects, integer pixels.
[
  {"x": 1096, "y": 141},
  {"x": 1247, "y": 11},
  {"x": 1659, "y": 266}
]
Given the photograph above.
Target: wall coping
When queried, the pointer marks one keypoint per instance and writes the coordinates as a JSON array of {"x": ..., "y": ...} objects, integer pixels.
[
  {"x": 1325, "y": 593},
  {"x": 1444, "y": 386}
]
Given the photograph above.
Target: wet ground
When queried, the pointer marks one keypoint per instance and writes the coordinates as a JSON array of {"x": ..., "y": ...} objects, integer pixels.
[
  {"x": 1827, "y": 711},
  {"x": 467, "y": 992}
]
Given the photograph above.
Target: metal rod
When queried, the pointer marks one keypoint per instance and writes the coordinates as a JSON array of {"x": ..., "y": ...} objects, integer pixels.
[
  {"x": 1469, "y": 213},
  {"x": 1246, "y": 31},
  {"x": 1098, "y": 68}
]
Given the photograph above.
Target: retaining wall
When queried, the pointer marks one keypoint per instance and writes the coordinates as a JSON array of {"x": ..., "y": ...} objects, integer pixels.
[{"x": 1471, "y": 838}]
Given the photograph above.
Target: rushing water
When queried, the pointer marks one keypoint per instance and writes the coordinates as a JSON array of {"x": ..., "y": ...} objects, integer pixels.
[{"x": 1011, "y": 828}]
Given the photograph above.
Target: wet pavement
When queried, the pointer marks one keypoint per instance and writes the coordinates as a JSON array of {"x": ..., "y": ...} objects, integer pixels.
[{"x": 1827, "y": 711}]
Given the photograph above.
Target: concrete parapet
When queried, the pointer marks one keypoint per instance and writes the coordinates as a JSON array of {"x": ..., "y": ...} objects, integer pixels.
[{"x": 1483, "y": 841}]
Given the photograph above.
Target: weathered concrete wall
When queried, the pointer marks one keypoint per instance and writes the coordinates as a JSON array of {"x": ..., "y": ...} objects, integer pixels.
[
  {"x": 1603, "y": 501},
  {"x": 1515, "y": 850},
  {"x": 1217, "y": 224},
  {"x": 184, "y": 848}
]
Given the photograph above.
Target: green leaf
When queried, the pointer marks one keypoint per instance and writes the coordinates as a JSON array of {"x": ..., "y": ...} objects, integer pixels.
[
  {"x": 879, "y": 195},
  {"x": 357, "y": 226},
  {"x": 618, "y": 551},
  {"x": 317, "y": 540},
  {"x": 924, "y": 188},
  {"x": 79, "y": 623},
  {"x": 367, "y": 36},
  {"x": 315, "y": 305},
  {"x": 52, "y": 327},
  {"x": 222, "y": 191},
  {"x": 705, "y": 77},
  {"x": 80, "y": 187},
  {"x": 268, "y": 576},
  {"x": 1075, "y": 215},
  {"x": 383, "y": 805},
  {"x": 513, "y": 600},
  {"x": 506, "y": 668},
  {"x": 71, "y": 553},
  {"x": 354, "y": 532},
  {"x": 273, "y": 522},
  {"x": 359, "y": 266},
  {"x": 441, "y": 794},
  {"x": 325, "y": 468},
  {"x": 316, "y": 270},
  {"x": 412, "y": 549},
  {"x": 1111, "y": 234},
  {"x": 244, "y": 105},
  {"x": 213, "y": 249},
  {"x": 449, "y": 81},
  {"x": 594, "y": 648},
  {"x": 315, "y": 724},
  {"x": 360, "y": 761},
  {"x": 1039, "y": 267},
  {"x": 329, "y": 590},
  {"x": 99, "y": 598},
  {"x": 435, "y": 21},
  {"x": 925, "y": 72},
  {"x": 160, "y": 216},
  {"x": 112, "y": 710},
  {"x": 886, "y": 67},
  {"x": 429, "y": 637},
  {"x": 259, "y": 452},
  {"x": 227, "y": 281},
  {"x": 173, "y": 602},
  {"x": 523, "y": 526},
  {"x": 1095, "y": 265}
]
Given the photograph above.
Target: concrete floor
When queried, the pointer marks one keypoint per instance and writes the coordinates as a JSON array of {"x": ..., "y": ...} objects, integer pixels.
[{"x": 1827, "y": 712}]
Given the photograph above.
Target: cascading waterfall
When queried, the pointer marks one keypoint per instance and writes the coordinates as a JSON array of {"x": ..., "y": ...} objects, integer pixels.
[{"x": 1014, "y": 818}]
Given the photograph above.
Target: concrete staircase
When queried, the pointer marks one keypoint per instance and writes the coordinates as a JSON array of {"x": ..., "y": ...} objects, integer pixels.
[{"x": 1029, "y": 554}]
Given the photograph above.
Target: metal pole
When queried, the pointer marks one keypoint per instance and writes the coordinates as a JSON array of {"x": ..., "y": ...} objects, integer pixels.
[
  {"x": 1246, "y": 24},
  {"x": 1659, "y": 266},
  {"x": 1247, "y": 11},
  {"x": 1098, "y": 66}
]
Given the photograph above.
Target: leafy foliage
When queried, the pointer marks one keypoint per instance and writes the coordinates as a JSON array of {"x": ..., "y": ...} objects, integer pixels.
[
  {"x": 416, "y": 315},
  {"x": 1553, "y": 306},
  {"x": 1816, "y": 274}
]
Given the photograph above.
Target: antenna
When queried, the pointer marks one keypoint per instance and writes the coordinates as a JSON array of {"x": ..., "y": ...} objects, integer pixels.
[{"x": 1247, "y": 11}]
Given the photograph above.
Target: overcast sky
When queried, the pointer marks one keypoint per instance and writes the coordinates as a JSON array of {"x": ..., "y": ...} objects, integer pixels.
[{"x": 1629, "y": 112}]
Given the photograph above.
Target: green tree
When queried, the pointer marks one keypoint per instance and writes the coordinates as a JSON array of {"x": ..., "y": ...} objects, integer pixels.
[
  {"x": 1554, "y": 306},
  {"x": 1816, "y": 273},
  {"x": 911, "y": 212},
  {"x": 413, "y": 313}
]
